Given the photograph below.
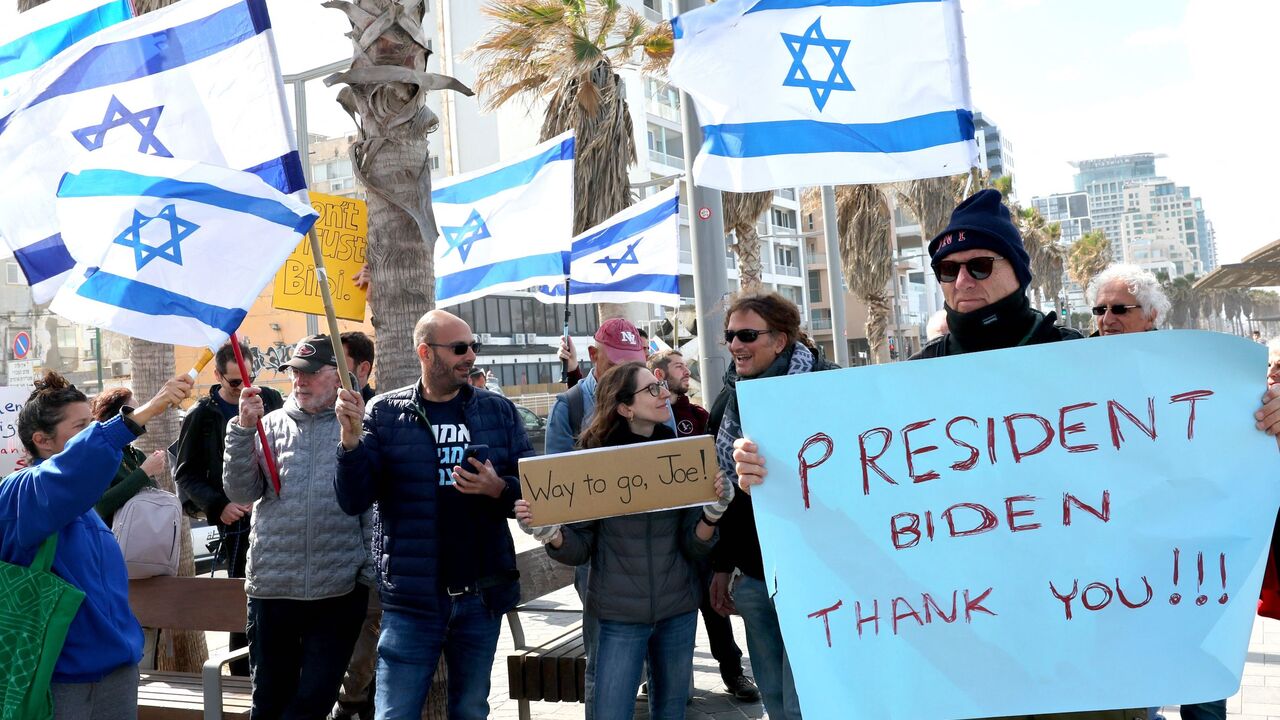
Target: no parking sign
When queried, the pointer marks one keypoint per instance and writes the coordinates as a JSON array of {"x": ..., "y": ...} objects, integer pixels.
[{"x": 21, "y": 345}]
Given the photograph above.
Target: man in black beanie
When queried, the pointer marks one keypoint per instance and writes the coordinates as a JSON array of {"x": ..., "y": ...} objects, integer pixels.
[{"x": 984, "y": 270}]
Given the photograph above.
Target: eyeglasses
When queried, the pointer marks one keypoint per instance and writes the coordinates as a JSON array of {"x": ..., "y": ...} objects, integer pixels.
[
  {"x": 1117, "y": 309},
  {"x": 459, "y": 348},
  {"x": 746, "y": 335},
  {"x": 979, "y": 268},
  {"x": 237, "y": 382},
  {"x": 655, "y": 389}
]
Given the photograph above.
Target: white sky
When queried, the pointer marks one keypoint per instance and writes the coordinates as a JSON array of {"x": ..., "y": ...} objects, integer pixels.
[{"x": 1065, "y": 80}]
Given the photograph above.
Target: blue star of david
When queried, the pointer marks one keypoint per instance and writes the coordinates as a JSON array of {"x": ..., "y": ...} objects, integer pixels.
[
  {"x": 798, "y": 75},
  {"x": 465, "y": 235},
  {"x": 117, "y": 115},
  {"x": 628, "y": 258},
  {"x": 170, "y": 250}
]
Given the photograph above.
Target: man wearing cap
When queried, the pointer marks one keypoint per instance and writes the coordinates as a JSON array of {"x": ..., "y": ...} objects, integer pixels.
[
  {"x": 309, "y": 568},
  {"x": 440, "y": 459},
  {"x": 198, "y": 468}
]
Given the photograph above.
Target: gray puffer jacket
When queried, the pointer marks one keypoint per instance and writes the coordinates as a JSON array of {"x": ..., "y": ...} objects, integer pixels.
[
  {"x": 642, "y": 566},
  {"x": 302, "y": 546}
]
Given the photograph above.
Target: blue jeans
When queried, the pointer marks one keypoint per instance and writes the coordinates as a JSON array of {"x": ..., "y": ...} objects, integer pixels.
[
  {"x": 764, "y": 645},
  {"x": 409, "y": 650},
  {"x": 621, "y": 649},
  {"x": 590, "y": 631}
]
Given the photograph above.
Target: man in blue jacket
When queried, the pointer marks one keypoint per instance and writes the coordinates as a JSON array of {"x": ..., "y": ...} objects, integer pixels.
[{"x": 446, "y": 562}]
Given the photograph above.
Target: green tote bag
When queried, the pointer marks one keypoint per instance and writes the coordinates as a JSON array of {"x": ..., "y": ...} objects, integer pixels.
[{"x": 36, "y": 609}]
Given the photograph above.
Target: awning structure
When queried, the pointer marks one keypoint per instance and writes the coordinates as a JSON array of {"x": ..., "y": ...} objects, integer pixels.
[{"x": 1260, "y": 268}]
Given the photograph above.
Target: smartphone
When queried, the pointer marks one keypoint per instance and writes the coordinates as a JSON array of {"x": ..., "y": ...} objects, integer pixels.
[{"x": 479, "y": 452}]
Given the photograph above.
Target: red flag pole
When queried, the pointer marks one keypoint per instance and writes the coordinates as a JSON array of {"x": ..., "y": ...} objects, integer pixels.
[{"x": 262, "y": 432}]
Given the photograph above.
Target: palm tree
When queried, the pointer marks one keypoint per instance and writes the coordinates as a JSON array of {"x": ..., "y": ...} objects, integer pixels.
[
  {"x": 1088, "y": 256},
  {"x": 931, "y": 200},
  {"x": 386, "y": 94},
  {"x": 862, "y": 222},
  {"x": 566, "y": 52},
  {"x": 741, "y": 211},
  {"x": 152, "y": 365}
]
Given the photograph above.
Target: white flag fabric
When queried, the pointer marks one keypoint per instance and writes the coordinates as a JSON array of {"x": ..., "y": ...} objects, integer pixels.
[
  {"x": 37, "y": 35},
  {"x": 171, "y": 251},
  {"x": 197, "y": 80},
  {"x": 826, "y": 92},
  {"x": 631, "y": 257},
  {"x": 505, "y": 227}
]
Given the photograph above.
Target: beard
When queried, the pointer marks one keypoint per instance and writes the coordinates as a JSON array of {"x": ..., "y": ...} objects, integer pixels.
[{"x": 445, "y": 377}]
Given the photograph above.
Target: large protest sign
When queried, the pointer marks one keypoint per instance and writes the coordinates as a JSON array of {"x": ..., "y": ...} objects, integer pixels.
[
  {"x": 343, "y": 231},
  {"x": 12, "y": 453},
  {"x": 605, "y": 482},
  {"x": 1066, "y": 527}
]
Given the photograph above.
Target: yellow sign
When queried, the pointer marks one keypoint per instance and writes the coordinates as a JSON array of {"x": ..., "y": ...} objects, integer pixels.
[{"x": 343, "y": 230}]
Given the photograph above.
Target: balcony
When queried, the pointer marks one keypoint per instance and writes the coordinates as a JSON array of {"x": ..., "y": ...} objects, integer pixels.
[
  {"x": 786, "y": 270},
  {"x": 672, "y": 161},
  {"x": 653, "y": 106}
]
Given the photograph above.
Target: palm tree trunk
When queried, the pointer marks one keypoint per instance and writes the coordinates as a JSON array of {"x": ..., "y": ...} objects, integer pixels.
[{"x": 746, "y": 247}]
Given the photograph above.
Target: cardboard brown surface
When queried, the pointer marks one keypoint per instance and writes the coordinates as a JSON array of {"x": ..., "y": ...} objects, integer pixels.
[{"x": 605, "y": 482}]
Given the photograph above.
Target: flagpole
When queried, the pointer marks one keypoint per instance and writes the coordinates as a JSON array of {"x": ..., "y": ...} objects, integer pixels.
[
  {"x": 335, "y": 335},
  {"x": 262, "y": 432},
  {"x": 564, "y": 364}
]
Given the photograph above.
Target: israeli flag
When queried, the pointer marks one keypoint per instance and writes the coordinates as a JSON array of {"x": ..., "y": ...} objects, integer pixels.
[
  {"x": 197, "y": 80},
  {"x": 171, "y": 251},
  {"x": 631, "y": 257},
  {"x": 36, "y": 36},
  {"x": 505, "y": 227},
  {"x": 826, "y": 92}
]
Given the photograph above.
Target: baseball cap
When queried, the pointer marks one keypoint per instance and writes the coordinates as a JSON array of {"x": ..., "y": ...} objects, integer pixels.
[
  {"x": 312, "y": 354},
  {"x": 620, "y": 340}
]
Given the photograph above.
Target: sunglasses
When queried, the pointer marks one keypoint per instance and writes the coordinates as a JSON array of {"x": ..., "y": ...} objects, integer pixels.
[
  {"x": 746, "y": 335},
  {"x": 1101, "y": 310},
  {"x": 979, "y": 268},
  {"x": 654, "y": 389},
  {"x": 236, "y": 382},
  {"x": 459, "y": 348}
]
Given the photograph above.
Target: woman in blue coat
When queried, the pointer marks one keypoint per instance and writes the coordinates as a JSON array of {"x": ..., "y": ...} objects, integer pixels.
[{"x": 73, "y": 461}]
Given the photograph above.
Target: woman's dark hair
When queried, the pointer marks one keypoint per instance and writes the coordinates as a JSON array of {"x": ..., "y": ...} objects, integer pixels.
[
  {"x": 779, "y": 313},
  {"x": 108, "y": 403},
  {"x": 617, "y": 387},
  {"x": 43, "y": 409}
]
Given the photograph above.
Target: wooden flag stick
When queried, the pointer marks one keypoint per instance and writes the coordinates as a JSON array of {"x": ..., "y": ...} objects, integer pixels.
[{"x": 335, "y": 336}]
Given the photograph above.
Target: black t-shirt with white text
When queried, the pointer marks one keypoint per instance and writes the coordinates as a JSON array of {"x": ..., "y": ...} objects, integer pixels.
[{"x": 454, "y": 510}]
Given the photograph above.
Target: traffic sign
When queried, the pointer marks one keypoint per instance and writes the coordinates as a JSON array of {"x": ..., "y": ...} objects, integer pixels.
[
  {"x": 704, "y": 213},
  {"x": 21, "y": 345},
  {"x": 21, "y": 373}
]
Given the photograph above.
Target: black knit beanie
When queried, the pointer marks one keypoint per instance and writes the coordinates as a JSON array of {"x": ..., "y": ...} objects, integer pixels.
[{"x": 983, "y": 221}]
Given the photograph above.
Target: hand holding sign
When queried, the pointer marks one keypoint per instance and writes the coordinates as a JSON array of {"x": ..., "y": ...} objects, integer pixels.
[
  {"x": 715, "y": 510},
  {"x": 546, "y": 534}
]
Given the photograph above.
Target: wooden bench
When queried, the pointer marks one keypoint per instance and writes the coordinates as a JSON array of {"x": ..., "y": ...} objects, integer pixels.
[
  {"x": 554, "y": 671},
  {"x": 192, "y": 603}
]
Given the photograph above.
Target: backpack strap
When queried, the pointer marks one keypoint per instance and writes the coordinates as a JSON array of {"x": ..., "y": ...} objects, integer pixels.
[
  {"x": 577, "y": 409},
  {"x": 44, "y": 557}
]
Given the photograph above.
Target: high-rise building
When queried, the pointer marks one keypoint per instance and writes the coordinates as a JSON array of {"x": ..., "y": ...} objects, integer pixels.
[
  {"x": 995, "y": 150},
  {"x": 1150, "y": 220},
  {"x": 1069, "y": 210}
]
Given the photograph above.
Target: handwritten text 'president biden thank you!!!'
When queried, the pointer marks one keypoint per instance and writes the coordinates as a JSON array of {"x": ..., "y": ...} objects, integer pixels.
[{"x": 1074, "y": 526}]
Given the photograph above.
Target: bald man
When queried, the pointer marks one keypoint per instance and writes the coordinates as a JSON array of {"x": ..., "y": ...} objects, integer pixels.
[{"x": 439, "y": 457}]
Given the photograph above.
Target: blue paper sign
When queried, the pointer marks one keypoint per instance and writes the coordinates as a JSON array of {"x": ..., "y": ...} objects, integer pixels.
[{"x": 1066, "y": 527}]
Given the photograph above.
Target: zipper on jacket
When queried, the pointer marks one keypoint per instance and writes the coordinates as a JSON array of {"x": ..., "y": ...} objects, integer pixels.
[
  {"x": 306, "y": 507},
  {"x": 653, "y": 585}
]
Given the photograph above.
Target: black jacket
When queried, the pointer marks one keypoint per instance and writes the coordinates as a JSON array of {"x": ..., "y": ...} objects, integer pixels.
[
  {"x": 198, "y": 470},
  {"x": 395, "y": 465}
]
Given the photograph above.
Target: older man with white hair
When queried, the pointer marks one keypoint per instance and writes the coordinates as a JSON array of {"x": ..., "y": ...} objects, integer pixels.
[{"x": 1126, "y": 299}]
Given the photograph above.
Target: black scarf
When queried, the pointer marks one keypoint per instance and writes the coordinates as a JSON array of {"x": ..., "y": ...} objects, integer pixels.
[{"x": 1002, "y": 324}]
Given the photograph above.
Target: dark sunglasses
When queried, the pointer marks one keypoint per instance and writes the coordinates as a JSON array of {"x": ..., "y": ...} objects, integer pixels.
[
  {"x": 236, "y": 382},
  {"x": 459, "y": 348},
  {"x": 1101, "y": 310},
  {"x": 979, "y": 268},
  {"x": 655, "y": 389},
  {"x": 746, "y": 335}
]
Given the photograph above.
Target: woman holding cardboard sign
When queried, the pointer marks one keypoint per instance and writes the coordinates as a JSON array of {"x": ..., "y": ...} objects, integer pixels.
[{"x": 644, "y": 583}]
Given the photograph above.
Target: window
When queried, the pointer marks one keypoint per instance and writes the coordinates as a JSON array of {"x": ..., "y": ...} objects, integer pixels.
[
  {"x": 12, "y": 274},
  {"x": 792, "y": 293},
  {"x": 784, "y": 218},
  {"x": 66, "y": 337},
  {"x": 786, "y": 257},
  {"x": 815, "y": 286}
]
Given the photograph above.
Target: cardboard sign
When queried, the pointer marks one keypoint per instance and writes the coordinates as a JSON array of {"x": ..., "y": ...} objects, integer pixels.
[
  {"x": 605, "y": 482},
  {"x": 12, "y": 454},
  {"x": 1067, "y": 527},
  {"x": 343, "y": 230}
]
